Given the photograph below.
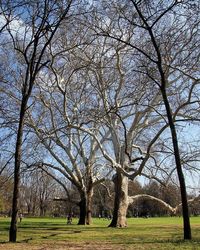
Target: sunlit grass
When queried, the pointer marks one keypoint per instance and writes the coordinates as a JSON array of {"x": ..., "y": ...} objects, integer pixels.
[{"x": 151, "y": 233}]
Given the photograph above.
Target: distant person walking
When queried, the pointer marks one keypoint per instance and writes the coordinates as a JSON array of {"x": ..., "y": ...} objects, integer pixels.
[
  {"x": 69, "y": 219},
  {"x": 20, "y": 217}
]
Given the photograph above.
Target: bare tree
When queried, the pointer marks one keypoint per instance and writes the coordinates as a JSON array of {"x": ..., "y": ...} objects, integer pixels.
[
  {"x": 64, "y": 97},
  {"x": 149, "y": 20},
  {"x": 117, "y": 83},
  {"x": 75, "y": 153},
  {"x": 30, "y": 45}
]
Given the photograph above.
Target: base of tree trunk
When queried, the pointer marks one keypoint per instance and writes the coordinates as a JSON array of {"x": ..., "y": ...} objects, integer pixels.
[
  {"x": 119, "y": 225},
  {"x": 13, "y": 234},
  {"x": 81, "y": 223},
  {"x": 82, "y": 207},
  {"x": 121, "y": 201}
]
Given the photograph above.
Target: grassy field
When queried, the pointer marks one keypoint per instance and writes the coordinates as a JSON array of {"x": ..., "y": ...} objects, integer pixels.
[{"x": 53, "y": 233}]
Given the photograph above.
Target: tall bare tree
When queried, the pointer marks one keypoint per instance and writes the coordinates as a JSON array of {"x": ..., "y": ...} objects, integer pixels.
[
  {"x": 160, "y": 58},
  {"x": 31, "y": 36},
  {"x": 119, "y": 120},
  {"x": 76, "y": 154}
]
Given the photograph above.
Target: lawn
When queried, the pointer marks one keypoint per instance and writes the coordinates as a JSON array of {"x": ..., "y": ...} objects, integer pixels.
[{"x": 54, "y": 233}]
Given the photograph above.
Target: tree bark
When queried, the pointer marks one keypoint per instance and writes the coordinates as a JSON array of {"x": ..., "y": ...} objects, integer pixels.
[
  {"x": 82, "y": 207},
  {"x": 89, "y": 206},
  {"x": 18, "y": 154},
  {"x": 42, "y": 210},
  {"x": 121, "y": 201},
  {"x": 185, "y": 209},
  {"x": 29, "y": 209}
]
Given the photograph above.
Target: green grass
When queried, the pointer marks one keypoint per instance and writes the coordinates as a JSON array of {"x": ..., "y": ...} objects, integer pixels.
[{"x": 151, "y": 233}]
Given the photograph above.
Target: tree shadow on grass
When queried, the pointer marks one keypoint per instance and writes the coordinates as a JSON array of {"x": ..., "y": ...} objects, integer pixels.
[
  {"x": 20, "y": 241},
  {"x": 48, "y": 236},
  {"x": 25, "y": 240}
]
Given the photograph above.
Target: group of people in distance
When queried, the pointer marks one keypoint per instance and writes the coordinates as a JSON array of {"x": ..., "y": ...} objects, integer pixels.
[{"x": 69, "y": 218}]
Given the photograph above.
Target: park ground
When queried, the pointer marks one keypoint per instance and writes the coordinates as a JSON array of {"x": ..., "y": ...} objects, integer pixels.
[{"x": 141, "y": 234}]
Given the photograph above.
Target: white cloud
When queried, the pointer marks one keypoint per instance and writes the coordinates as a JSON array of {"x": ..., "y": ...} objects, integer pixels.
[{"x": 17, "y": 27}]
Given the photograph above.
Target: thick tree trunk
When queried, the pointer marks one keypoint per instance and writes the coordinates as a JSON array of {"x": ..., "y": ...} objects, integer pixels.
[
  {"x": 185, "y": 209},
  {"x": 29, "y": 208},
  {"x": 89, "y": 206},
  {"x": 34, "y": 206},
  {"x": 121, "y": 201},
  {"x": 82, "y": 207},
  {"x": 18, "y": 152},
  {"x": 42, "y": 210}
]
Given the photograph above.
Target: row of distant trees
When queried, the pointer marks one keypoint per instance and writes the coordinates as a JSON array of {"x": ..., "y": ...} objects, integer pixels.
[
  {"x": 96, "y": 90},
  {"x": 43, "y": 196}
]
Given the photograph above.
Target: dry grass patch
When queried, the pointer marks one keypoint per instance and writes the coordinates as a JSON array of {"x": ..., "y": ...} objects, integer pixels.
[{"x": 62, "y": 246}]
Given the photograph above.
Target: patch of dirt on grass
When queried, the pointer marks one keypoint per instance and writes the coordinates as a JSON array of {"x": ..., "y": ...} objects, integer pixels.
[{"x": 61, "y": 246}]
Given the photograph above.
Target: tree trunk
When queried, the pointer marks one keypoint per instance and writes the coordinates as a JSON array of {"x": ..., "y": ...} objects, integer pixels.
[
  {"x": 89, "y": 206},
  {"x": 82, "y": 206},
  {"x": 185, "y": 209},
  {"x": 18, "y": 153},
  {"x": 29, "y": 209},
  {"x": 121, "y": 201},
  {"x": 34, "y": 205},
  {"x": 42, "y": 210}
]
